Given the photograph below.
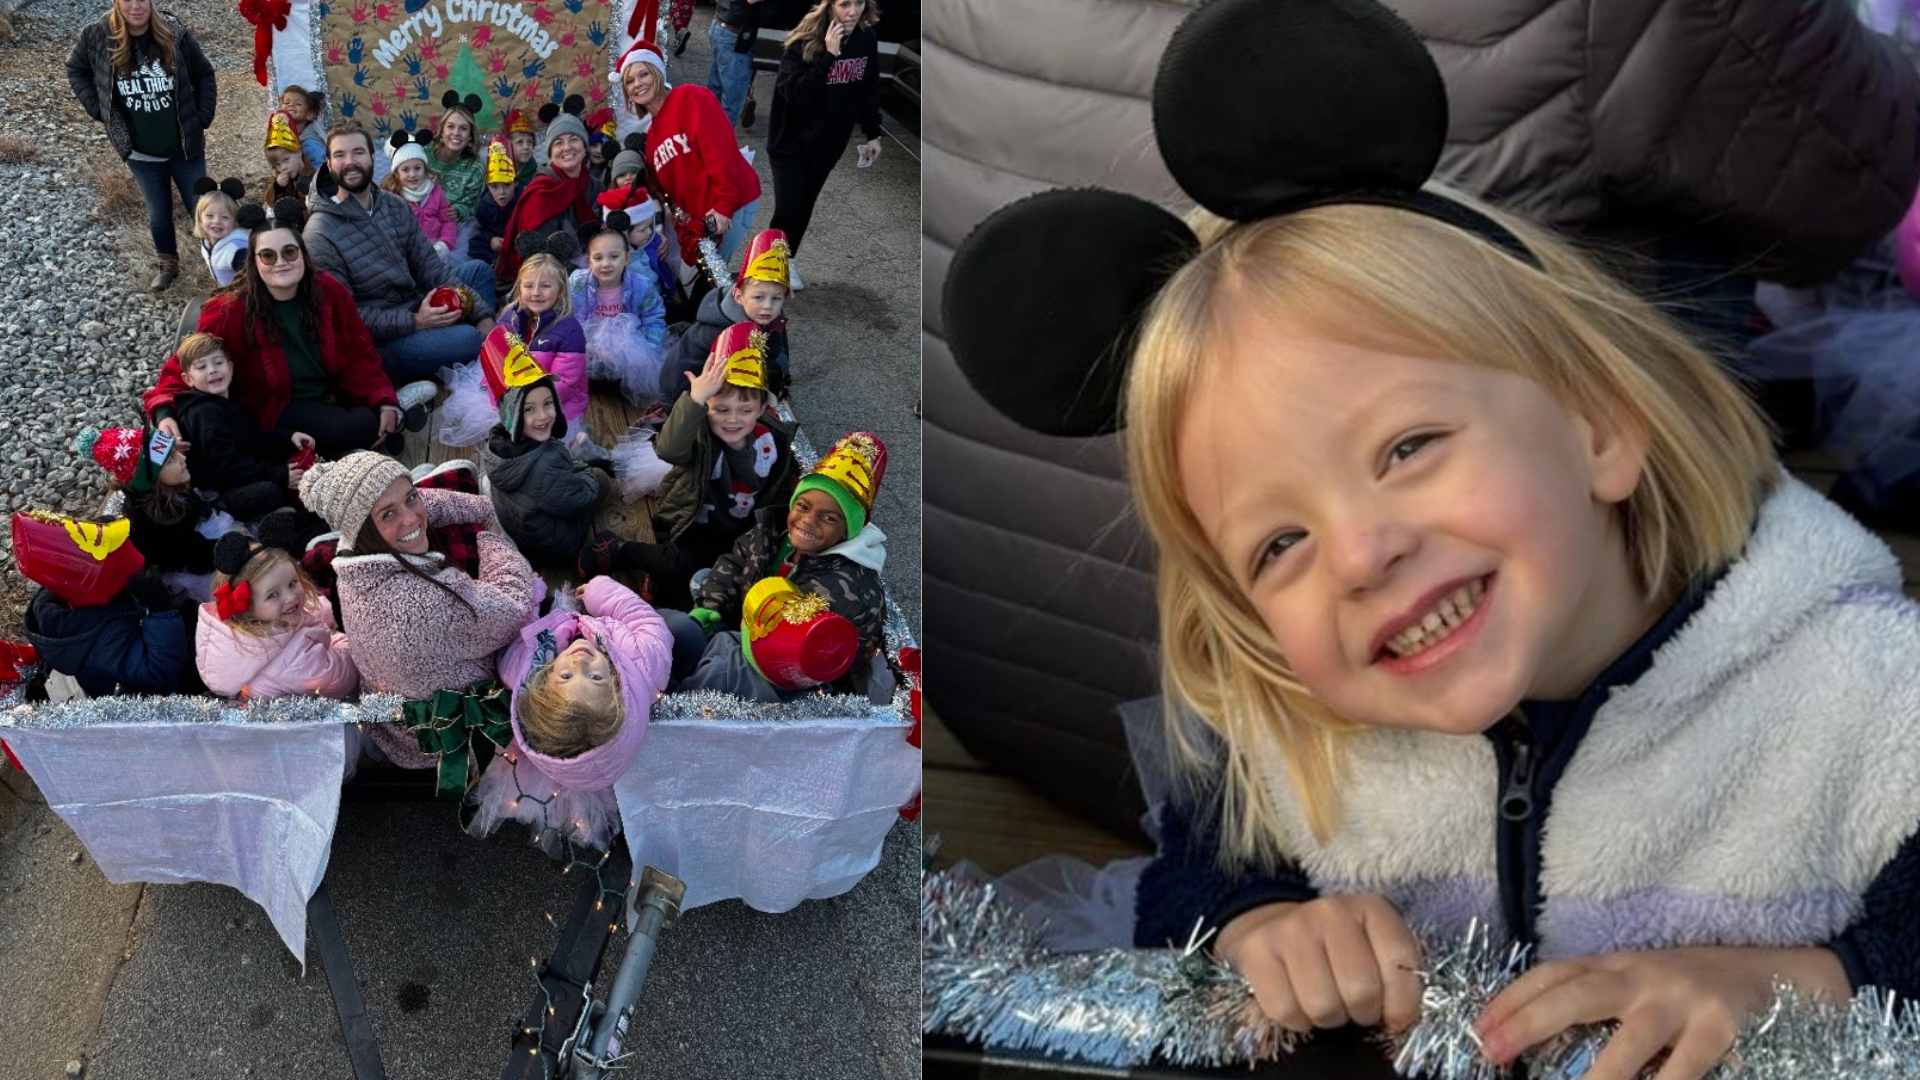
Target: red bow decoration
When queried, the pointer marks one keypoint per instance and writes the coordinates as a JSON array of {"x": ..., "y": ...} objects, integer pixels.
[
  {"x": 266, "y": 17},
  {"x": 232, "y": 599}
]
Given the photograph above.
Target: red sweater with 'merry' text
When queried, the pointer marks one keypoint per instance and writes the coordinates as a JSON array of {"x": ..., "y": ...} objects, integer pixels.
[{"x": 690, "y": 145}]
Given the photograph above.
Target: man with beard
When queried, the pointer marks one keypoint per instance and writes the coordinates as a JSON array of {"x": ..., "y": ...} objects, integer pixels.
[{"x": 369, "y": 240}]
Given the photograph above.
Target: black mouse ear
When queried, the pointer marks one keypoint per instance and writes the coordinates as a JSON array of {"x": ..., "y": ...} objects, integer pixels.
[
  {"x": 233, "y": 188},
  {"x": 526, "y": 245},
  {"x": 619, "y": 222},
  {"x": 1049, "y": 361},
  {"x": 250, "y": 216},
  {"x": 575, "y": 104},
  {"x": 231, "y": 552},
  {"x": 450, "y": 100},
  {"x": 398, "y": 139},
  {"x": 472, "y": 104},
  {"x": 204, "y": 185},
  {"x": 635, "y": 142},
  {"x": 563, "y": 246},
  {"x": 324, "y": 184},
  {"x": 548, "y": 112},
  {"x": 284, "y": 529},
  {"x": 289, "y": 213},
  {"x": 588, "y": 231}
]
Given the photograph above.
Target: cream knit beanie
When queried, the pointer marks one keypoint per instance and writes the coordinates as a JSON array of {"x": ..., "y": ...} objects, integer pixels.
[{"x": 344, "y": 491}]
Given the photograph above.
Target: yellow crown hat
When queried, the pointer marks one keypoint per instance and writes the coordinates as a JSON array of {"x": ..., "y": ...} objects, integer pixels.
[
  {"x": 744, "y": 346},
  {"x": 850, "y": 473},
  {"x": 280, "y": 134},
  {"x": 500, "y": 167},
  {"x": 766, "y": 259}
]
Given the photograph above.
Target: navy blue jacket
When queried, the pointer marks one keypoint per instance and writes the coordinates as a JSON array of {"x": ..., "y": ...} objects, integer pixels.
[
  {"x": 1185, "y": 882},
  {"x": 119, "y": 646}
]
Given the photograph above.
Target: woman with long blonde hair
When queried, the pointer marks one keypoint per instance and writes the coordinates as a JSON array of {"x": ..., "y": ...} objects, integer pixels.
[
  {"x": 829, "y": 81},
  {"x": 140, "y": 72}
]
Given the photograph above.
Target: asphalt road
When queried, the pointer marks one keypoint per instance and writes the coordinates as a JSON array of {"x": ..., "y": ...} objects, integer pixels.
[{"x": 190, "y": 981}]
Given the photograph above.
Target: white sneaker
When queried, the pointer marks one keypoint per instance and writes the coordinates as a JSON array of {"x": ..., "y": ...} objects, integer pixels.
[
  {"x": 417, "y": 393},
  {"x": 793, "y": 278}
]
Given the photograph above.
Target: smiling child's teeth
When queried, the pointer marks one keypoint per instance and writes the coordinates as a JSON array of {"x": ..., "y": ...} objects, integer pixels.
[{"x": 1449, "y": 613}]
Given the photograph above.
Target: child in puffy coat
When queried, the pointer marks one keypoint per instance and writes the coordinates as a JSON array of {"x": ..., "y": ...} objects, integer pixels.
[
  {"x": 424, "y": 196},
  {"x": 267, "y": 632},
  {"x": 541, "y": 314},
  {"x": 545, "y": 499},
  {"x": 582, "y": 684}
]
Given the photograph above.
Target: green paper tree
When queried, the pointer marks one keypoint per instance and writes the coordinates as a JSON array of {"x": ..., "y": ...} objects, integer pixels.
[{"x": 467, "y": 77}]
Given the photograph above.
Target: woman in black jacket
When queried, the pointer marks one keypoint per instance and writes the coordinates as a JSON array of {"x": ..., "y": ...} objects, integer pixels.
[
  {"x": 829, "y": 79},
  {"x": 139, "y": 72}
]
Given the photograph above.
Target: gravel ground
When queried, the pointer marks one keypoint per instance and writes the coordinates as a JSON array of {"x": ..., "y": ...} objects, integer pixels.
[{"x": 80, "y": 336}]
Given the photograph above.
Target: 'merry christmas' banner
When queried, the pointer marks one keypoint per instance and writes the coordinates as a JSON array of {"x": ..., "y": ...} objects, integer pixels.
[{"x": 388, "y": 64}]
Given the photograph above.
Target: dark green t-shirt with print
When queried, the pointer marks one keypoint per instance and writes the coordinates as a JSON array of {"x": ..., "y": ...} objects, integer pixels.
[
  {"x": 145, "y": 97},
  {"x": 310, "y": 380}
]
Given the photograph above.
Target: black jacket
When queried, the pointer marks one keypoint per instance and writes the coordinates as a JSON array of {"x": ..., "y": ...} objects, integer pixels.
[
  {"x": 817, "y": 104},
  {"x": 544, "y": 498},
  {"x": 90, "y": 73},
  {"x": 687, "y": 443},
  {"x": 229, "y": 453},
  {"x": 122, "y": 645},
  {"x": 178, "y": 546},
  {"x": 717, "y": 312},
  {"x": 489, "y": 224}
]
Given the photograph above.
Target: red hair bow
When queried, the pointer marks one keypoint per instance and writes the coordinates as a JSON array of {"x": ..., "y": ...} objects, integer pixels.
[
  {"x": 232, "y": 599},
  {"x": 266, "y": 17}
]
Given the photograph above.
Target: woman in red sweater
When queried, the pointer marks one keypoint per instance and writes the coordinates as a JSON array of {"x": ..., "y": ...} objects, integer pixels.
[
  {"x": 692, "y": 152},
  {"x": 302, "y": 359}
]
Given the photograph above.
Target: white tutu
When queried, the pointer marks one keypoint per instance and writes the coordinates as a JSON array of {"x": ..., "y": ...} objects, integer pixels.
[
  {"x": 469, "y": 412},
  {"x": 519, "y": 791},
  {"x": 635, "y": 464},
  {"x": 618, "y": 351}
]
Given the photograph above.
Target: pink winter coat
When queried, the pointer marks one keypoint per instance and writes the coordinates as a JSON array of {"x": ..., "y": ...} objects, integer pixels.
[
  {"x": 312, "y": 659},
  {"x": 435, "y": 215},
  {"x": 641, "y": 648},
  {"x": 409, "y": 637}
]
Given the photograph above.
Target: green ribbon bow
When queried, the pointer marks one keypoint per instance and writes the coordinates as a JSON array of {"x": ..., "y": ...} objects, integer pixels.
[{"x": 446, "y": 723}]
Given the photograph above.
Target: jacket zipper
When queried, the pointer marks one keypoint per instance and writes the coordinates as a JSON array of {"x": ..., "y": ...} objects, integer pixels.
[{"x": 1519, "y": 884}]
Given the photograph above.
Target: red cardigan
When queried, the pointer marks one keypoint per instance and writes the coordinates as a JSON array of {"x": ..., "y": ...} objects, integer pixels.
[
  {"x": 261, "y": 382},
  {"x": 693, "y": 152}
]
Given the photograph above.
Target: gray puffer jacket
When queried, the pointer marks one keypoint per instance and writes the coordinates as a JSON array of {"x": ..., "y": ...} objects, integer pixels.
[
  {"x": 90, "y": 73},
  {"x": 379, "y": 254},
  {"x": 1769, "y": 126}
]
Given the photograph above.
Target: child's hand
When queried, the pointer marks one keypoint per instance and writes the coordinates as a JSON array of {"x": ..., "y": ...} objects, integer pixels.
[
  {"x": 170, "y": 426},
  {"x": 495, "y": 242},
  {"x": 302, "y": 440},
  {"x": 294, "y": 473},
  {"x": 1327, "y": 962},
  {"x": 1690, "y": 1000},
  {"x": 711, "y": 378}
]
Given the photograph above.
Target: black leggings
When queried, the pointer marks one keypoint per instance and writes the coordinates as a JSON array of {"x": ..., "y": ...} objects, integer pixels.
[
  {"x": 337, "y": 430},
  {"x": 796, "y": 187}
]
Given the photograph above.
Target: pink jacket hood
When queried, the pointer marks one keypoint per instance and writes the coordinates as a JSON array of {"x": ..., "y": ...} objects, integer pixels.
[
  {"x": 641, "y": 648},
  {"x": 312, "y": 659}
]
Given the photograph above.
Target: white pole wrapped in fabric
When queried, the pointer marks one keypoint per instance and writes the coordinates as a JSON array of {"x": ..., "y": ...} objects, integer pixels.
[
  {"x": 791, "y": 803},
  {"x": 295, "y": 59}
]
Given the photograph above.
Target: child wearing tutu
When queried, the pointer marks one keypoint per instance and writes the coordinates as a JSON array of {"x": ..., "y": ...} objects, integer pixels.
[
  {"x": 545, "y": 499},
  {"x": 541, "y": 315},
  {"x": 617, "y": 301},
  {"x": 759, "y": 295},
  {"x": 268, "y": 632},
  {"x": 582, "y": 683}
]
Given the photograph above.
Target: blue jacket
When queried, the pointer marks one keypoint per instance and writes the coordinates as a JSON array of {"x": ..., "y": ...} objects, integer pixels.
[
  {"x": 639, "y": 297},
  {"x": 118, "y": 646},
  {"x": 1786, "y": 677}
]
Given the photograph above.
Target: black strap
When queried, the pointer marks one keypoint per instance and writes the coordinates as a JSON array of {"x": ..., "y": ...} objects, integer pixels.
[{"x": 356, "y": 1027}]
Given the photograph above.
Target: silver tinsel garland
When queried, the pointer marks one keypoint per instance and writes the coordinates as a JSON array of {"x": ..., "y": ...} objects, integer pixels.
[
  {"x": 184, "y": 709},
  {"x": 985, "y": 978},
  {"x": 713, "y": 264}
]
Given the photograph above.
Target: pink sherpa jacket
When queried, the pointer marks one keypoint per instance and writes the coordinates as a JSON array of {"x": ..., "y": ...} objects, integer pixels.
[
  {"x": 641, "y": 648},
  {"x": 409, "y": 637},
  {"x": 312, "y": 659}
]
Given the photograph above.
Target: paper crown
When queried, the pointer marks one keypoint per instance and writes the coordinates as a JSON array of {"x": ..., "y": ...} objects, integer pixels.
[
  {"x": 500, "y": 167},
  {"x": 766, "y": 259},
  {"x": 280, "y": 134},
  {"x": 517, "y": 122},
  {"x": 600, "y": 121},
  {"x": 85, "y": 563},
  {"x": 793, "y": 638},
  {"x": 506, "y": 363},
  {"x": 856, "y": 463},
  {"x": 744, "y": 348}
]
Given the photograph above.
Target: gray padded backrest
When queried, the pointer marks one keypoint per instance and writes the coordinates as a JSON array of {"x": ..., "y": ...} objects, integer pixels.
[{"x": 1039, "y": 594}]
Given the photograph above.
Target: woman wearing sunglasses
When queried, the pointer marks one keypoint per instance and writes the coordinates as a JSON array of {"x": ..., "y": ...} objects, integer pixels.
[{"x": 302, "y": 359}]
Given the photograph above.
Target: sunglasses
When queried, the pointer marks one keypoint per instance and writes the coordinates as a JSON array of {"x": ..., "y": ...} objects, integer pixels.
[{"x": 269, "y": 257}]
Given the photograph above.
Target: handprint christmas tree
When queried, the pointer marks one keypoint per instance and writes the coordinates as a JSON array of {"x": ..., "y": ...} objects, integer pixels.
[{"x": 468, "y": 78}]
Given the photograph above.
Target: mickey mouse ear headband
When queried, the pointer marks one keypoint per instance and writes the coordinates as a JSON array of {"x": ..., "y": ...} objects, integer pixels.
[
  {"x": 560, "y": 244},
  {"x": 232, "y": 187},
  {"x": 1260, "y": 108}
]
